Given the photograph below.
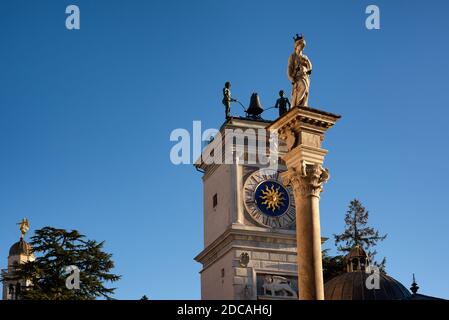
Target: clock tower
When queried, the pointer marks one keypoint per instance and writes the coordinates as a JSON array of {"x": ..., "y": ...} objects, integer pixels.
[{"x": 249, "y": 217}]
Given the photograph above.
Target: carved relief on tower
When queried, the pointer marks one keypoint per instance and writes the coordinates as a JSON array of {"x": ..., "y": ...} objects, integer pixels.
[{"x": 274, "y": 286}]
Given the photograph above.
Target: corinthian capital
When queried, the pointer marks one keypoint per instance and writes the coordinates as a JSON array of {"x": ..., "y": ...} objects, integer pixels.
[{"x": 307, "y": 180}]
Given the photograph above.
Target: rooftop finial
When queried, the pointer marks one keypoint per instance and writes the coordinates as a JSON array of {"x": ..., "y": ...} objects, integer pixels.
[
  {"x": 414, "y": 288},
  {"x": 24, "y": 227}
]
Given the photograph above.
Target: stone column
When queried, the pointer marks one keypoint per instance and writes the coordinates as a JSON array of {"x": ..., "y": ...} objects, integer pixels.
[
  {"x": 302, "y": 130},
  {"x": 307, "y": 185}
]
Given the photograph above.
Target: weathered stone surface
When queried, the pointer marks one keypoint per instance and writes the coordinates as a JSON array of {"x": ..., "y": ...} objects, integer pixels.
[
  {"x": 287, "y": 266},
  {"x": 239, "y": 280},
  {"x": 260, "y": 255},
  {"x": 242, "y": 272},
  {"x": 278, "y": 257},
  {"x": 269, "y": 265}
]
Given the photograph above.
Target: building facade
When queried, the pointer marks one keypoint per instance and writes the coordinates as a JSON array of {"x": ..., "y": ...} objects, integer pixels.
[
  {"x": 249, "y": 219},
  {"x": 20, "y": 252}
]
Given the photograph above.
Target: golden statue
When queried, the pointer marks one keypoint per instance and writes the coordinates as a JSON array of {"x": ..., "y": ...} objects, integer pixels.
[{"x": 24, "y": 227}]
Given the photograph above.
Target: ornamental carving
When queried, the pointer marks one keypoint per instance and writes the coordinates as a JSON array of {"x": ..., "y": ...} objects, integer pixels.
[
  {"x": 289, "y": 137},
  {"x": 278, "y": 286},
  {"x": 307, "y": 180}
]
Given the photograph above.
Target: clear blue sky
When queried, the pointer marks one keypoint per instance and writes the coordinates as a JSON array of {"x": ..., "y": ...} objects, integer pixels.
[{"x": 85, "y": 119}]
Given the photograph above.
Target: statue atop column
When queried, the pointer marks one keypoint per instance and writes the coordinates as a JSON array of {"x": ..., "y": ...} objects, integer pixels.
[{"x": 299, "y": 70}]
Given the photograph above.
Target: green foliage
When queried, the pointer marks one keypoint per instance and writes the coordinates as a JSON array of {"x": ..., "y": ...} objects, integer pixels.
[
  {"x": 56, "y": 249},
  {"x": 333, "y": 266},
  {"x": 358, "y": 233}
]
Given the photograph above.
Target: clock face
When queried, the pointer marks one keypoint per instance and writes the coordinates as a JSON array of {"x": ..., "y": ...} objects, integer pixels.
[{"x": 267, "y": 200}]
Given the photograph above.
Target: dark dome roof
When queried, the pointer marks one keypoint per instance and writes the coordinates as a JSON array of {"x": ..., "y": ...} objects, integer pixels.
[
  {"x": 351, "y": 286},
  {"x": 21, "y": 247}
]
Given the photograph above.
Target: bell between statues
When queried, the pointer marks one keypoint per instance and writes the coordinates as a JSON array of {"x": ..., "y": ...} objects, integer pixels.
[{"x": 255, "y": 108}]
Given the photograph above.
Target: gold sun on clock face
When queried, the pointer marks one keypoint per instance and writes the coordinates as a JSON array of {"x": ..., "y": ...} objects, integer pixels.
[{"x": 272, "y": 198}]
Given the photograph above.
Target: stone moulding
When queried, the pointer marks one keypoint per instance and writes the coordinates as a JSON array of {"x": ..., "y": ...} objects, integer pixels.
[
  {"x": 235, "y": 238},
  {"x": 310, "y": 117}
]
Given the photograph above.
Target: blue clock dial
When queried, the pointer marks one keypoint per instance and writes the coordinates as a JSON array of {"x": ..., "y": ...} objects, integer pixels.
[
  {"x": 268, "y": 201},
  {"x": 271, "y": 198}
]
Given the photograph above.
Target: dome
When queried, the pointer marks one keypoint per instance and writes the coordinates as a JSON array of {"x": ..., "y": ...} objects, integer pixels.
[
  {"x": 21, "y": 247},
  {"x": 351, "y": 286}
]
